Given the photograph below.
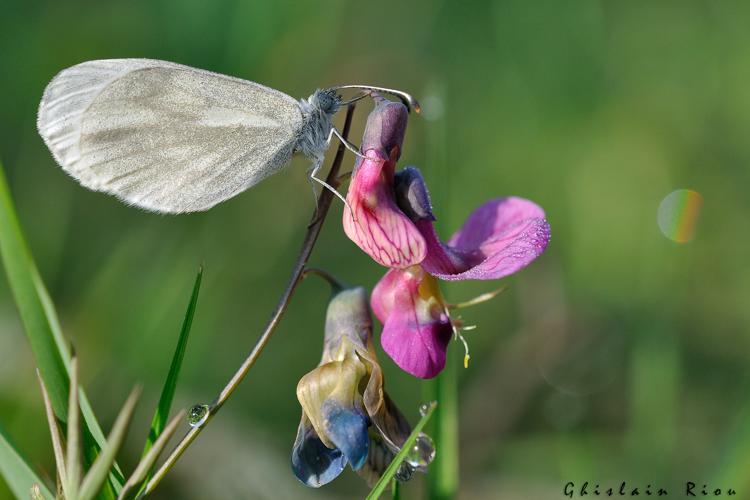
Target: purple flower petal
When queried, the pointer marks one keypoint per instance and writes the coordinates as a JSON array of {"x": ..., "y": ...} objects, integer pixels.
[
  {"x": 499, "y": 238},
  {"x": 386, "y": 126},
  {"x": 313, "y": 463},
  {"x": 416, "y": 328},
  {"x": 375, "y": 223}
]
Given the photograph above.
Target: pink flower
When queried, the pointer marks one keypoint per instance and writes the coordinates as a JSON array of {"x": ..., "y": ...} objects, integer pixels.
[
  {"x": 500, "y": 237},
  {"x": 392, "y": 221},
  {"x": 375, "y": 223},
  {"x": 416, "y": 326}
]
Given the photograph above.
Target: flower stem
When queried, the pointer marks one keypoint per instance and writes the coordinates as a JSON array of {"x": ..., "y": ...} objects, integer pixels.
[
  {"x": 395, "y": 489},
  {"x": 336, "y": 285},
  {"x": 311, "y": 236},
  {"x": 442, "y": 478}
]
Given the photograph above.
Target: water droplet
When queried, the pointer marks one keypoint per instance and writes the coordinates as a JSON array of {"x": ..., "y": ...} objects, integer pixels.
[
  {"x": 404, "y": 472},
  {"x": 197, "y": 415},
  {"x": 425, "y": 408},
  {"x": 422, "y": 452},
  {"x": 678, "y": 214}
]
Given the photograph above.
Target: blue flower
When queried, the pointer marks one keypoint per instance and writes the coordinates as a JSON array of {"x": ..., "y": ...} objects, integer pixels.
[{"x": 347, "y": 418}]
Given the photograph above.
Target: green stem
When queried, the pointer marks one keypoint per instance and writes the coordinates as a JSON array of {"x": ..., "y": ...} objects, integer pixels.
[{"x": 442, "y": 478}]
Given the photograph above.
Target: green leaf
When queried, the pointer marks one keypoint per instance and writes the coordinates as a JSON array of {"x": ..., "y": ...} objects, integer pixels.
[
  {"x": 382, "y": 483},
  {"x": 54, "y": 431},
  {"x": 96, "y": 476},
  {"x": 50, "y": 350},
  {"x": 26, "y": 284},
  {"x": 167, "y": 393},
  {"x": 73, "y": 452},
  {"x": 17, "y": 473}
]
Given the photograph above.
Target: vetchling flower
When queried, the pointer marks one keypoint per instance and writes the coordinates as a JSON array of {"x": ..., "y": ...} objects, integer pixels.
[
  {"x": 416, "y": 325},
  {"x": 375, "y": 222},
  {"x": 392, "y": 221},
  {"x": 347, "y": 417}
]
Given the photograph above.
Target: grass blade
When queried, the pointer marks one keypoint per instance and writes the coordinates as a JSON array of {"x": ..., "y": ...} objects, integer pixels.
[
  {"x": 382, "y": 483},
  {"x": 54, "y": 431},
  {"x": 167, "y": 393},
  {"x": 19, "y": 476},
  {"x": 147, "y": 462},
  {"x": 50, "y": 350},
  {"x": 99, "y": 471},
  {"x": 73, "y": 462},
  {"x": 24, "y": 283}
]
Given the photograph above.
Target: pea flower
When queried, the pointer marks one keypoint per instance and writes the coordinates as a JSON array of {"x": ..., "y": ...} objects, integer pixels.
[
  {"x": 375, "y": 222},
  {"x": 416, "y": 325},
  {"x": 392, "y": 221},
  {"x": 347, "y": 417}
]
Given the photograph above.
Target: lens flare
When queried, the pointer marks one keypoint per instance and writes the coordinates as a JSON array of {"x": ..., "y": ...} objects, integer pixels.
[{"x": 678, "y": 214}]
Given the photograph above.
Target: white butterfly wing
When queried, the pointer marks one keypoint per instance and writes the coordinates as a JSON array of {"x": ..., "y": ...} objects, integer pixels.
[{"x": 163, "y": 136}]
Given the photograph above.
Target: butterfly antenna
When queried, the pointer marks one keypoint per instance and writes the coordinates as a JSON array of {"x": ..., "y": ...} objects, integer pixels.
[{"x": 407, "y": 99}]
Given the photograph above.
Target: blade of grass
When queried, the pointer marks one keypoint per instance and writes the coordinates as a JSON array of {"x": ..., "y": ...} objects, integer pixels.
[
  {"x": 147, "y": 462},
  {"x": 24, "y": 281},
  {"x": 50, "y": 350},
  {"x": 54, "y": 431},
  {"x": 19, "y": 476},
  {"x": 390, "y": 472},
  {"x": 73, "y": 462},
  {"x": 96, "y": 476},
  {"x": 167, "y": 393}
]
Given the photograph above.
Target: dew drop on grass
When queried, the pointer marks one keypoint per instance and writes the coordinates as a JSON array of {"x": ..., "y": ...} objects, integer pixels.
[
  {"x": 422, "y": 452},
  {"x": 197, "y": 415},
  {"x": 426, "y": 407},
  {"x": 404, "y": 472}
]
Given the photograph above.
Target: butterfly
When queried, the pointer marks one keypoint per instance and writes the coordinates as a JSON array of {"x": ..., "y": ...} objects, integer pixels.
[{"x": 173, "y": 139}]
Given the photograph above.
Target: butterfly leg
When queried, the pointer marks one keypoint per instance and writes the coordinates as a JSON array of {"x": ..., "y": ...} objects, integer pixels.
[
  {"x": 323, "y": 183},
  {"x": 348, "y": 145},
  {"x": 351, "y": 147},
  {"x": 310, "y": 173}
]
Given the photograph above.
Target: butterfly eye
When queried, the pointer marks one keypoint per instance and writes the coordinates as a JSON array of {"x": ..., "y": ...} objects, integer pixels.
[{"x": 329, "y": 101}]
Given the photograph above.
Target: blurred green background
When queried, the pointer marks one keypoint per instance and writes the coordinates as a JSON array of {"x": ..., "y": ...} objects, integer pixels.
[{"x": 619, "y": 355}]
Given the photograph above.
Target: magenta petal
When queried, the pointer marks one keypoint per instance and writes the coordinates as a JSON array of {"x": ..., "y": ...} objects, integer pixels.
[
  {"x": 375, "y": 223},
  {"x": 418, "y": 349},
  {"x": 499, "y": 238},
  {"x": 416, "y": 330}
]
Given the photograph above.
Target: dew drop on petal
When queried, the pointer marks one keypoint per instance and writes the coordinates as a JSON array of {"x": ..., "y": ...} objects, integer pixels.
[
  {"x": 404, "y": 472},
  {"x": 422, "y": 452},
  {"x": 677, "y": 215},
  {"x": 197, "y": 415}
]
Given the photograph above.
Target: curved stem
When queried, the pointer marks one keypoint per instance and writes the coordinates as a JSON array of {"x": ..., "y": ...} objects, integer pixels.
[
  {"x": 331, "y": 279},
  {"x": 311, "y": 236}
]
